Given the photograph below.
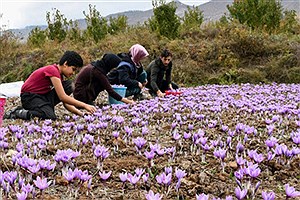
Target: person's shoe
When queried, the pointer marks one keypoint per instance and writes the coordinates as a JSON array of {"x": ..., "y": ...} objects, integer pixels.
[{"x": 11, "y": 114}]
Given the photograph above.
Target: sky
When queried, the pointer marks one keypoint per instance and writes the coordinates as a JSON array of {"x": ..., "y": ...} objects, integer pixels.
[{"x": 22, "y": 13}]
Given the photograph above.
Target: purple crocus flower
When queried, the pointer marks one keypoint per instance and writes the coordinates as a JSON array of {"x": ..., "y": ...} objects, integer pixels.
[
  {"x": 271, "y": 142},
  {"x": 145, "y": 177},
  {"x": 101, "y": 152},
  {"x": 268, "y": 195},
  {"x": 133, "y": 179},
  {"x": 149, "y": 154},
  {"x": 104, "y": 176},
  {"x": 291, "y": 192},
  {"x": 180, "y": 173},
  {"x": 41, "y": 183},
  {"x": 139, "y": 171},
  {"x": 240, "y": 194},
  {"x": 152, "y": 196},
  {"x": 22, "y": 195},
  {"x": 123, "y": 176},
  {"x": 139, "y": 142},
  {"x": 202, "y": 196}
]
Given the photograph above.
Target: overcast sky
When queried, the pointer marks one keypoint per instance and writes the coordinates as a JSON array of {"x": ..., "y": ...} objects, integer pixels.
[{"x": 22, "y": 13}]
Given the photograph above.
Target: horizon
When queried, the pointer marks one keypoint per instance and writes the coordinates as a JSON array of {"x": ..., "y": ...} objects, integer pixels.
[{"x": 14, "y": 13}]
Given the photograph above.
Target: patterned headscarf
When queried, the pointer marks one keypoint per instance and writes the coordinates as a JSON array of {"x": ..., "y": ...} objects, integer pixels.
[{"x": 138, "y": 52}]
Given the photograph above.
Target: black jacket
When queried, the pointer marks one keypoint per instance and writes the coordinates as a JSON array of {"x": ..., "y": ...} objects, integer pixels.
[
  {"x": 156, "y": 72},
  {"x": 126, "y": 73}
]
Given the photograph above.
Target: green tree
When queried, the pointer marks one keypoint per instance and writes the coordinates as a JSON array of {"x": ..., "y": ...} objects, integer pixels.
[
  {"x": 165, "y": 21},
  {"x": 257, "y": 14},
  {"x": 97, "y": 27},
  {"x": 74, "y": 33},
  {"x": 117, "y": 24},
  {"x": 192, "y": 19},
  {"x": 37, "y": 37},
  {"x": 57, "y": 25}
]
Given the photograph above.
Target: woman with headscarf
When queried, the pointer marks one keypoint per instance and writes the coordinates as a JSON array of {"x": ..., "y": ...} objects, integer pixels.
[
  {"x": 130, "y": 72},
  {"x": 92, "y": 80}
]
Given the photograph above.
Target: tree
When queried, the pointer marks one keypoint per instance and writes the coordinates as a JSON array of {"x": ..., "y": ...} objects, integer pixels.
[
  {"x": 165, "y": 21},
  {"x": 57, "y": 26},
  {"x": 257, "y": 14},
  {"x": 37, "y": 37},
  {"x": 117, "y": 24},
  {"x": 96, "y": 25},
  {"x": 193, "y": 18}
]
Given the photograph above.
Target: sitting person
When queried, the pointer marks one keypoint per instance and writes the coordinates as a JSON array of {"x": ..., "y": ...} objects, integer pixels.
[
  {"x": 156, "y": 70},
  {"x": 130, "y": 72},
  {"x": 45, "y": 88},
  {"x": 92, "y": 79}
]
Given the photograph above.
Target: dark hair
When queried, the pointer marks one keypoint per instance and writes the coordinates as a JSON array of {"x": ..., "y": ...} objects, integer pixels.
[
  {"x": 72, "y": 58},
  {"x": 166, "y": 53}
]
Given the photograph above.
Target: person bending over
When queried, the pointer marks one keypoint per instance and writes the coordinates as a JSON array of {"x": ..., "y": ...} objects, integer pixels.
[{"x": 46, "y": 87}]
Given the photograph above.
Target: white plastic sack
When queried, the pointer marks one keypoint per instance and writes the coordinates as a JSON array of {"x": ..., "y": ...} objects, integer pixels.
[{"x": 11, "y": 89}]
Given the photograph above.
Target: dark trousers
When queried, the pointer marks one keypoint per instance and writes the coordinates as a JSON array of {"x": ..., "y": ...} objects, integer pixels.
[
  {"x": 42, "y": 106},
  {"x": 163, "y": 87},
  {"x": 136, "y": 90}
]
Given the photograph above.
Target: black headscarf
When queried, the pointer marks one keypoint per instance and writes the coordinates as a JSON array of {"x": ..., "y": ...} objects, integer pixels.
[{"x": 107, "y": 63}]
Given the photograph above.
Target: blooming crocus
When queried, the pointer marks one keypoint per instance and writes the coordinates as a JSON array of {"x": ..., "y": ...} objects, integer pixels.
[
  {"x": 133, "y": 179},
  {"x": 145, "y": 177},
  {"x": 202, "y": 196},
  {"x": 180, "y": 173},
  {"x": 240, "y": 194},
  {"x": 104, "y": 176},
  {"x": 139, "y": 142},
  {"x": 41, "y": 183},
  {"x": 152, "y": 196},
  {"x": 291, "y": 192},
  {"x": 268, "y": 195},
  {"x": 123, "y": 176},
  {"x": 22, "y": 195}
]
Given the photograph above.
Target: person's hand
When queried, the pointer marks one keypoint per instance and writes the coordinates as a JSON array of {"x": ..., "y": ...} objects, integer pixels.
[
  {"x": 141, "y": 85},
  {"x": 91, "y": 109},
  {"x": 160, "y": 94},
  {"x": 145, "y": 83},
  {"x": 128, "y": 101}
]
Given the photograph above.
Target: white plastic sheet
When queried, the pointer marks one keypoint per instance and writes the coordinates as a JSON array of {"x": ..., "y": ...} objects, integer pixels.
[{"x": 12, "y": 89}]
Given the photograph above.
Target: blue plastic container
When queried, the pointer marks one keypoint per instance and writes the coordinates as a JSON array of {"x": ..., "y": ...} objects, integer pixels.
[{"x": 121, "y": 90}]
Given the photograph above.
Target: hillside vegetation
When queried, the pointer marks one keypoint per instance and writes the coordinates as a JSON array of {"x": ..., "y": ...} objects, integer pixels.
[{"x": 258, "y": 42}]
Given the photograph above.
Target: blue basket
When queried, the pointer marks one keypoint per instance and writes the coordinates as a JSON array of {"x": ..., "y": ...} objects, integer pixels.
[{"x": 121, "y": 90}]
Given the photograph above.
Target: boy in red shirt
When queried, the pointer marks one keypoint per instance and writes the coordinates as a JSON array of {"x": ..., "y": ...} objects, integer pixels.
[{"x": 45, "y": 88}]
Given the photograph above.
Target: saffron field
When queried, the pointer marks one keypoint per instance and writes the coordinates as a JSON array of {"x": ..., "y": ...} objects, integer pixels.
[{"x": 209, "y": 142}]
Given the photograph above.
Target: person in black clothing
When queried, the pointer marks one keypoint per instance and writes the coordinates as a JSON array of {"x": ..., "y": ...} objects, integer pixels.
[
  {"x": 130, "y": 72},
  {"x": 156, "y": 70},
  {"x": 92, "y": 79}
]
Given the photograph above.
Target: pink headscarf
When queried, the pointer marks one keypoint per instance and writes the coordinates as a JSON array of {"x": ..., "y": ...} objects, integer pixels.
[{"x": 138, "y": 52}]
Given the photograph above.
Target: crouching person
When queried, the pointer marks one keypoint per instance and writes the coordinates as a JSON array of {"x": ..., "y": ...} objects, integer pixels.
[{"x": 46, "y": 87}]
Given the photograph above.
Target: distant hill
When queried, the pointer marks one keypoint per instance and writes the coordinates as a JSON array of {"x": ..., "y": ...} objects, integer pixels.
[{"x": 212, "y": 11}]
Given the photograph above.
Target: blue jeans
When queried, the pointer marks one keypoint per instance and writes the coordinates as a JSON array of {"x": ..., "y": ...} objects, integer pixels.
[{"x": 142, "y": 78}]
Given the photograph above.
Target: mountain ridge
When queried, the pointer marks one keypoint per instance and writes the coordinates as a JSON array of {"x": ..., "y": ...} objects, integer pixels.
[{"x": 212, "y": 11}]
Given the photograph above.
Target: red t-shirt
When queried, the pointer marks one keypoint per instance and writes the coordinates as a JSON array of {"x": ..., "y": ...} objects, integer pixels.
[{"x": 39, "y": 81}]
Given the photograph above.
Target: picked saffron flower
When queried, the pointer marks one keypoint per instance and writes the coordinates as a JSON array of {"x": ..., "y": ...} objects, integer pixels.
[
  {"x": 104, "y": 176},
  {"x": 240, "y": 194},
  {"x": 152, "y": 196},
  {"x": 268, "y": 195},
  {"x": 291, "y": 192},
  {"x": 41, "y": 183}
]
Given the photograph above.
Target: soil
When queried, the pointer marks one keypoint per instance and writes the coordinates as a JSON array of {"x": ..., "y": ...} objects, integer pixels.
[{"x": 162, "y": 121}]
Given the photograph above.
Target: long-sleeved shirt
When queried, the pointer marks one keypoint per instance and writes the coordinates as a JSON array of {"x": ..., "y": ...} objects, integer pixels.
[
  {"x": 90, "y": 82},
  {"x": 156, "y": 71}
]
